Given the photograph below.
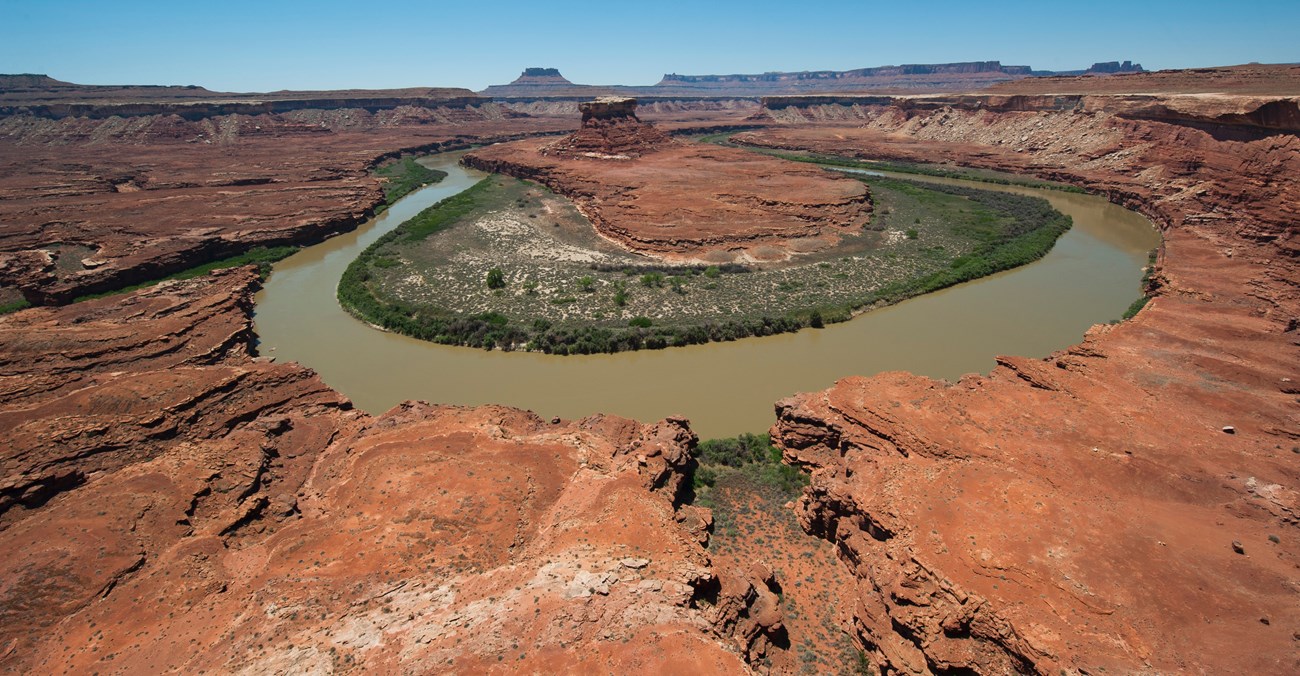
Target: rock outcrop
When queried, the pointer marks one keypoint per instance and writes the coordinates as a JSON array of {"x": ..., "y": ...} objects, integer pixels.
[
  {"x": 610, "y": 130},
  {"x": 143, "y": 197},
  {"x": 1129, "y": 504},
  {"x": 170, "y": 503},
  {"x": 679, "y": 200}
]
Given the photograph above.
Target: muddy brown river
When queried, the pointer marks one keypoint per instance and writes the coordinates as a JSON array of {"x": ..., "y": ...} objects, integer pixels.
[{"x": 1089, "y": 277}]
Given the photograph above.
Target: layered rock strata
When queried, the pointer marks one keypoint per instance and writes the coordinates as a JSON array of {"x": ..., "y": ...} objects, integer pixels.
[
  {"x": 610, "y": 130},
  {"x": 684, "y": 201},
  {"x": 170, "y": 503},
  {"x": 1129, "y": 504},
  {"x": 45, "y": 97},
  {"x": 92, "y": 205}
]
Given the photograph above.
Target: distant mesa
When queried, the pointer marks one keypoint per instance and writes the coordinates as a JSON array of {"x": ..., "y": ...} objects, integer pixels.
[
  {"x": 23, "y": 81},
  {"x": 1100, "y": 68},
  {"x": 541, "y": 72},
  {"x": 833, "y": 76},
  {"x": 1116, "y": 67},
  {"x": 966, "y": 76},
  {"x": 44, "y": 96},
  {"x": 538, "y": 82},
  {"x": 547, "y": 76}
]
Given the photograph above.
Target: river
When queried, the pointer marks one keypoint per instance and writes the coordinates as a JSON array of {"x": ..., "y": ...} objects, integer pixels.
[{"x": 1089, "y": 277}]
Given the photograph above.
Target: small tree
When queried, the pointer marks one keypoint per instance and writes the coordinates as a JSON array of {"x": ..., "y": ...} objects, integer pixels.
[
  {"x": 586, "y": 283},
  {"x": 496, "y": 279}
]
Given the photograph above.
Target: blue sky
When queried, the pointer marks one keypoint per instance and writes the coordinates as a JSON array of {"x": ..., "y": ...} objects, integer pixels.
[{"x": 262, "y": 46}]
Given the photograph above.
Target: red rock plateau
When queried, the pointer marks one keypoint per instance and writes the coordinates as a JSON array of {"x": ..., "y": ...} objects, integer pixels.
[
  {"x": 170, "y": 503},
  {"x": 89, "y": 204},
  {"x": 1126, "y": 505},
  {"x": 679, "y": 200}
]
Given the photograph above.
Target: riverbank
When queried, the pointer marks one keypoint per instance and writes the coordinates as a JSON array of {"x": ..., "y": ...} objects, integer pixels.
[
  {"x": 510, "y": 265},
  {"x": 1089, "y": 277}
]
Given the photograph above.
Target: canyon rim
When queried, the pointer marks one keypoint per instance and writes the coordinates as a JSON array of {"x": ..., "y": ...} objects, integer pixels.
[{"x": 175, "y": 498}]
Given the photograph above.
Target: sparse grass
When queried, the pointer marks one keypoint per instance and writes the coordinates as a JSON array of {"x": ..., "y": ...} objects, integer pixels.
[{"x": 751, "y": 522}]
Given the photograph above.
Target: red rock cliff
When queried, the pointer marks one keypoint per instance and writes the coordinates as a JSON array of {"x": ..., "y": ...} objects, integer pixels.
[
  {"x": 1129, "y": 504},
  {"x": 169, "y": 503}
]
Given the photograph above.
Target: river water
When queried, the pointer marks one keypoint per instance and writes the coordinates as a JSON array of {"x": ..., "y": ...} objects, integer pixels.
[{"x": 1089, "y": 277}]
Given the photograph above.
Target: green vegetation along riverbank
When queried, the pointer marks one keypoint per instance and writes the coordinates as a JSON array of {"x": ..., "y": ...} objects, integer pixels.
[
  {"x": 261, "y": 256},
  {"x": 404, "y": 176},
  {"x": 509, "y": 265}
]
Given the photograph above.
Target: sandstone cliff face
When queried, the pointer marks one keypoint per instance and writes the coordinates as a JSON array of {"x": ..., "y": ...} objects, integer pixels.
[
  {"x": 145, "y": 197},
  {"x": 1233, "y": 116},
  {"x": 44, "y": 97},
  {"x": 679, "y": 200},
  {"x": 170, "y": 503},
  {"x": 695, "y": 202},
  {"x": 610, "y": 130},
  {"x": 1130, "y": 503}
]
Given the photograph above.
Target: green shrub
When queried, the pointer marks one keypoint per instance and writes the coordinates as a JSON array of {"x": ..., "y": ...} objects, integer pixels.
[
  {"x": 496, "y": 279},
  {"x": 405, "y": 176},
  {"x": 14, "y": 306},
  {"x": 1136, "y": 307},
  {"x": 754, "y": 456},
  {"x": 261, "y": 256}
]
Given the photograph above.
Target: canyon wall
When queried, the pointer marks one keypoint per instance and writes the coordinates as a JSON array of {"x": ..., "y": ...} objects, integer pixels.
[
  {"x": 89, "y": 205},
  {"x": 1130, "y": 504},
  {"x": 1239, "y": 116},
  {"x": 42, "y": 96},
  {"x": 170, "y": 502},
  {"x": 647, "y": 191}
]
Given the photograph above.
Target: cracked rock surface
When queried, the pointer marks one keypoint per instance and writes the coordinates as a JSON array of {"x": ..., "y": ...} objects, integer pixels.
[{"x": 172, "y": 503}]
